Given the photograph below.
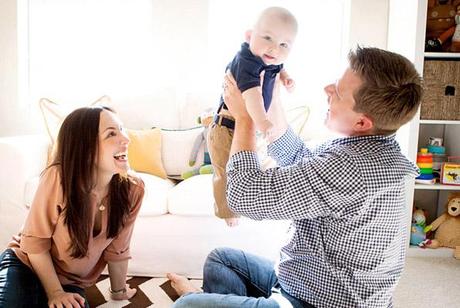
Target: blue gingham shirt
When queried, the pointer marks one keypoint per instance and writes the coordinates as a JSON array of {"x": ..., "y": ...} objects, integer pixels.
[{"x": 346, "y": 243}]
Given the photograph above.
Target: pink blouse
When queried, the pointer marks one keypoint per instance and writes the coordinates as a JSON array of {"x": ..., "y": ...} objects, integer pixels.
[{"x": 44, "y": 230}]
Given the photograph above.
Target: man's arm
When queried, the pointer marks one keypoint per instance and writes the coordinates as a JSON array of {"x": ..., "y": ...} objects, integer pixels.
[
  {"x": 300, "y": 191},
  {"x": 284, "y": 146},
  {"x": 256, "y": 110},
  {"x": 244, "y": 135},
  {"x": 276, "y": 115}
]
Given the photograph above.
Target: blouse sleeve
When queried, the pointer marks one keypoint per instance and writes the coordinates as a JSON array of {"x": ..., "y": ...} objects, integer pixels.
[
  {"x": 43, "y": 214},
  {"x": 118, "y": 249}
]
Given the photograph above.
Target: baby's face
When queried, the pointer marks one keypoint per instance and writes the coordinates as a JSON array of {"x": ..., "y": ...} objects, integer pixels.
[{"x": 271, "y": 40}]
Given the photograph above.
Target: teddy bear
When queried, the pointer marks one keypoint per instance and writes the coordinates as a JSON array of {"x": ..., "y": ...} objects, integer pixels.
[
  {"x": 206, "y": 168},
  {"x": 442, "y": 25},
  {"x": 447, "y": 227}
]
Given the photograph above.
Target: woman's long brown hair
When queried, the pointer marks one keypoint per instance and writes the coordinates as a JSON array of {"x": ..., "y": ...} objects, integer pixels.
[{"x": 76, "y": 155}]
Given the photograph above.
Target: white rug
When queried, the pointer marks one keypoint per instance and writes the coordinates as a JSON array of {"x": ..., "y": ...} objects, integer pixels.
[{"x": 432, "y": 282}]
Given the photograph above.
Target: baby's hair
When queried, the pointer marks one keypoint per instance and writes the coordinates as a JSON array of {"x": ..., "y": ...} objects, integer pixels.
[{"x": 279, "y": 12}]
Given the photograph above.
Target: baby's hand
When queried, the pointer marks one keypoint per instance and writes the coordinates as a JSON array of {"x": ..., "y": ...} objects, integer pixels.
[
  {"x": 232, "y": 222},
  {"x": 289, "y": 84}
]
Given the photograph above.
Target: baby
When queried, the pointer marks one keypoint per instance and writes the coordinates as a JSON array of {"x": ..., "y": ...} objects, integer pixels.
[{"x": 254, "y": 68}]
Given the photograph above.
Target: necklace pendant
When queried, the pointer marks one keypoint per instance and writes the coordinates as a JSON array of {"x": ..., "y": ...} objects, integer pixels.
[{"x": 101, "y": 207}]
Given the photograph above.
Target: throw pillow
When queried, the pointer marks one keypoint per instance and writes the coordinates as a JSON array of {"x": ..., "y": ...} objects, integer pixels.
[
  {"x": 176, "y": 147},
  {"x": 54, "y": 114},
  {"x": 144, "y": 151}
]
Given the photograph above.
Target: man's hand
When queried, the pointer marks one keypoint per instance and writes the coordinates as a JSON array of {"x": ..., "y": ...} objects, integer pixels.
[
  {"x": 244, "y": 138},
  {"x": 276, "y": 114},
  {"x": 233, "y": 98}
]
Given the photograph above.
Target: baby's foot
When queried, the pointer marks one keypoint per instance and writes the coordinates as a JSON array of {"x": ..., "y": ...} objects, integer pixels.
[
  {"x": 232, "y": 222},
  {"x": 181, "y": 284}
]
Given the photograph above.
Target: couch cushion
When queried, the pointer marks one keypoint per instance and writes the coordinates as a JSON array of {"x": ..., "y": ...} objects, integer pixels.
[
  {"x": 192, "y": 197},
  {"x": 155, "y": 197},
  {"x": 54, "y": 114},
  {"x": 176, "y": 149},
  {"x": 158, "y": 108},
  {"x": 144, "y": 151}
]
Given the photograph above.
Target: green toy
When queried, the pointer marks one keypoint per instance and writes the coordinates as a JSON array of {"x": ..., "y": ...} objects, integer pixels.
[{"x": 206, "y": 167}]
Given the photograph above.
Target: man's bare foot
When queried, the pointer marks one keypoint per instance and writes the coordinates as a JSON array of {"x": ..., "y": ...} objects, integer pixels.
[{"x": 181, "y": 284}]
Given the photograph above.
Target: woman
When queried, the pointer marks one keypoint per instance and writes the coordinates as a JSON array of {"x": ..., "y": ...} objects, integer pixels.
[{"x": 81, "y": 219}]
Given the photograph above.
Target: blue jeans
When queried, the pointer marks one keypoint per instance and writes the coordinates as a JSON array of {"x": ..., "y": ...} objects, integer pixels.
[
  {"x": 233, "y": 278},
  {"x": 20, "y": 286}
]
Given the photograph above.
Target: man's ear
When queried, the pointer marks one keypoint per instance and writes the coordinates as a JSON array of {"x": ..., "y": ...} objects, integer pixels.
[
  {"x": 364, "y": 124},
  {"x": 247, "y": 35}
]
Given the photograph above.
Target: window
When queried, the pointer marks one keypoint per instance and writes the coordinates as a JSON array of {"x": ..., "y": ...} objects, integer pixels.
[
  {"x": 318, "y": 56},
  {"x": 80, "y": 50}
]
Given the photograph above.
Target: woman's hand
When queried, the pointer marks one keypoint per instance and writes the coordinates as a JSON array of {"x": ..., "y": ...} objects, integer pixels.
[
  {"x": 61, "y": 298},
  {"x": 233, "y": 98},
  {"x": 124, "y": 294}
]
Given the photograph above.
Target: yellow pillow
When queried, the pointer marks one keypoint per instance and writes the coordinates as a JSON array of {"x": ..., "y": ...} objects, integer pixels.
[{"x": 144, "y": 151}]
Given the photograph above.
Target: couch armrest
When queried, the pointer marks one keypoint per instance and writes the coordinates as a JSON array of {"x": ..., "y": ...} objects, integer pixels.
[{"x": 22, "y": 157}]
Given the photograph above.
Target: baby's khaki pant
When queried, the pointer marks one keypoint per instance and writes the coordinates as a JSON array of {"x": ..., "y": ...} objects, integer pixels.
[{"x": 219, "y": 144}]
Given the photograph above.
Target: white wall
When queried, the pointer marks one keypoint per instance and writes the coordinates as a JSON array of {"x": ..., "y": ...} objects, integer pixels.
[
  {"x": 368, "y": 23},
  {"x": 9, "y": 112},
  {"x": 173, "y": 19}
]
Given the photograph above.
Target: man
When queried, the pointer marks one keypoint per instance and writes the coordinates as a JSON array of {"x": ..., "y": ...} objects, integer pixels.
[{"x": 347, "y": 240}]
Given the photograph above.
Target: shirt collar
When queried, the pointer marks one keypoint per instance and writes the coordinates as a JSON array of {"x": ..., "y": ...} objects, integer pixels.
[
  {"x": 246, "y": 52},
  {"x": 357, "y": 139}
]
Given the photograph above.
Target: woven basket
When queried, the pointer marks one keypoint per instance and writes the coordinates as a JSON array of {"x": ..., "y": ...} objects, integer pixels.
[{"x": 441, "y": 98}]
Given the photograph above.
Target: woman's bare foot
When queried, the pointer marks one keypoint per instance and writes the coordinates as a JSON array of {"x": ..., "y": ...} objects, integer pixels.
[{"x": 181, "y": 284}]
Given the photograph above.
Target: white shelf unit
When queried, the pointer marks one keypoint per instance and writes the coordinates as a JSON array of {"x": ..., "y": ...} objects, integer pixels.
[
  {"x": 406, "y": 35},
  {"x": 439, "y": 122},
  {"x": 436, "y": 186},
  {"x": 434, "y": 197},
  {"x": 442, "y": 252},
  {"x": 442, "y": 55}
]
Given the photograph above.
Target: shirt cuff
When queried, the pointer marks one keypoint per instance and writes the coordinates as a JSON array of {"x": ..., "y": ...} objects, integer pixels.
[
  {"x": 243, "y": 160},
  {"x": 34, "y": 245},
  {"x": 281, "y": 147}
]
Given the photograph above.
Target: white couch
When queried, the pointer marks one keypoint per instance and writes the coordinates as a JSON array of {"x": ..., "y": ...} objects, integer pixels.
[{"x": 176, "y": 227}]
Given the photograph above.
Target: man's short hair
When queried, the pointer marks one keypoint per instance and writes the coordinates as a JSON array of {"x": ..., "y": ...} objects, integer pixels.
[{"x": 391, "y": 88}]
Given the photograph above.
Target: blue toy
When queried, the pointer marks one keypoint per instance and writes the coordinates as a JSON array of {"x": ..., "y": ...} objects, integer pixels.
[{"x": 418, "y": 227}]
